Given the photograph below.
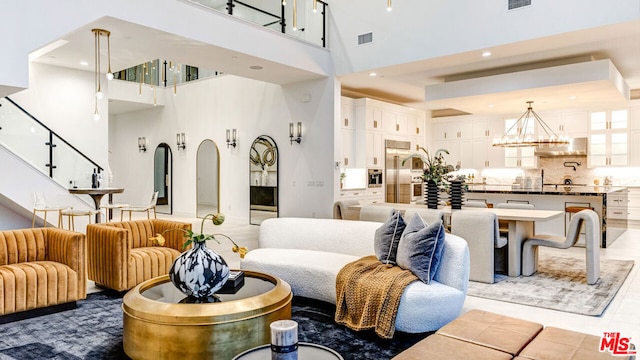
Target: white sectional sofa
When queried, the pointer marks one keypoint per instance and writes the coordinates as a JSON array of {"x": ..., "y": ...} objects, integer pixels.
[{"x": 309, "y": 253}]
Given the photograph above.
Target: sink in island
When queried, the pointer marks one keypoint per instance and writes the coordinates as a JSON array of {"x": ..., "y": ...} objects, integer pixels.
[{"x": 609, "y": 202}]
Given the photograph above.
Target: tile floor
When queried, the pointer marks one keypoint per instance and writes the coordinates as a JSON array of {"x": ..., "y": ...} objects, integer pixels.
[{"x": 622, "y": 315}]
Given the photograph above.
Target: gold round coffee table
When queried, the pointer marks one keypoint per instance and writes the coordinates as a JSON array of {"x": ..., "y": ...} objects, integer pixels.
[{"x": 157, "y": 326}]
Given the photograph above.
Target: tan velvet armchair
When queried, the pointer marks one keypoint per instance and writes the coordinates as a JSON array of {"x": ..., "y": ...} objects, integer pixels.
[
  {"x": 120, "y": 254},
  {"x": 40, "y": 268}
]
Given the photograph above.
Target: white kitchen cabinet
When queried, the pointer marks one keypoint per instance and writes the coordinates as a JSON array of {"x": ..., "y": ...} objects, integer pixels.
[
  {"x": 608, "y": 138},
  {"x": 608, "y": 149},
  {"x": 634, "y": 208},
  {"x": 415, "y": 126},
  {"x": 571, "y": 124},
  {"x": 634, "y": 148},
  {"x": 347, "y": 114},
  {"x": 348, "y": 154},
  {"x": 375, "y": 150},
  {"x": 452, "y": 129},
  {"x": 373, "y": 119},
  {"x": 520, "y": 157},
  {"x": 484, "y": 153},
  {"x": 374, "y": 196},
  {"x": 394, "y": 123}
]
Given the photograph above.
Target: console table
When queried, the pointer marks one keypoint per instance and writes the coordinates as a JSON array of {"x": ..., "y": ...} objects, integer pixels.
[{"x": 157, "y": 324}]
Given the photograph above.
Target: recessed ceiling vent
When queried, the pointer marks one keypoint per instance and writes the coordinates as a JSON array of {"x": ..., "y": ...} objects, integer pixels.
[
  {"x": 365, "y": 38},
  {"x": 514, "y": 4}
]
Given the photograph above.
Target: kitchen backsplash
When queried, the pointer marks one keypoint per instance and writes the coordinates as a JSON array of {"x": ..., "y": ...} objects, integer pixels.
[{"x": 555, "y": 172}]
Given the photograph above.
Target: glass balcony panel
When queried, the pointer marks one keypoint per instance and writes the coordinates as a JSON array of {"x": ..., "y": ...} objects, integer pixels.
[{"x": 28, "y": 139}]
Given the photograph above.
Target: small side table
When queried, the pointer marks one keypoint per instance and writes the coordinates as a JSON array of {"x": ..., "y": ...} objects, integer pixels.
[{"x": 306, "y": 351}]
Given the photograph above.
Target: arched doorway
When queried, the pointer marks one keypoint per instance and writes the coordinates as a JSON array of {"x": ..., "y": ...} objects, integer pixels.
[{"x": 207, "y": 179}]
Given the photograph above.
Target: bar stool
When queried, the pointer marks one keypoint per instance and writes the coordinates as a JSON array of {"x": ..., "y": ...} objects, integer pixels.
[{"x": 571, "y": 208}]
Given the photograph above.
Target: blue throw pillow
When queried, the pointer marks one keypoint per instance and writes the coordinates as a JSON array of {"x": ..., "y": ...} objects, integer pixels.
[
  {"x": 387, "y": 237},
  {"x": 420, "y": 248}
]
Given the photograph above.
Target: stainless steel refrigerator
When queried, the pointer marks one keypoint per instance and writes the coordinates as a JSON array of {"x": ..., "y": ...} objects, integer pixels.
[{"x": 397, "y": 176}]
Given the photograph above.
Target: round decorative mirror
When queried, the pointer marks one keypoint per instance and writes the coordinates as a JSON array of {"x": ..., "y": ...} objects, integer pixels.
[{"x": 263, "y": 173}]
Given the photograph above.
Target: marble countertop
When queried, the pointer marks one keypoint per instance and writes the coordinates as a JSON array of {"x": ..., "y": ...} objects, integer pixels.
[{"x": 547, "y": 190}]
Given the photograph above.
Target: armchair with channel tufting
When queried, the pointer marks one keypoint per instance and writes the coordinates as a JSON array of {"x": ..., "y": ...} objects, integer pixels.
[
  {"x": 120, "y": 255},
  {"x": 41, "y": 267}
]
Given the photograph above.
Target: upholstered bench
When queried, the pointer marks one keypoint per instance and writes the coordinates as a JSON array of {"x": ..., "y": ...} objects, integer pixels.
[
  {"x": 499, "y": 332},
  {"x": 481, "y": 335},
  {"x": 485, "y": 335},
  {"x": 442, "y": 347}
]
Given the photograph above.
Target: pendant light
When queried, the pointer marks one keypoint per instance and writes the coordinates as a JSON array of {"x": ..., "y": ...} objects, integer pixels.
[
  {"x": 522, "y": 139},
  {"x": 388, "y": 5},
  {"x": 295, "y": 15},
  {"x": 97, "y": 33}
]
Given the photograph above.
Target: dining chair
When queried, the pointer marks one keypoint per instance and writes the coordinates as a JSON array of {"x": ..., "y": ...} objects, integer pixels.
[
  {"x": 71, "y": 214},
  {"x": 108, "y": 208},
  {"x": 379, "y": 213},
  {"x": 341, "y": 210},
  {"x": 474, "y": 203},
  {"x": 430, "y": 216},
  {"x": 593, "y": 237},
  {"x": 151, "y": 206},
  {"x": 480, "y": 230},
  {"x": 40, "y": 204}
]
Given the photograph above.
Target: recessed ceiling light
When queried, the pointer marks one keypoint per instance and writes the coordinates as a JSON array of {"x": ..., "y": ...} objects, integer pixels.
[
  {"x": 572, "y": 97},
  {"x": 84, "y": 63},
  {"x": 491, "y": 105},
  {"x": 255, "y": 67},
  {"x": 486, "y": 54},
  {"x": 372, "y": 74}
]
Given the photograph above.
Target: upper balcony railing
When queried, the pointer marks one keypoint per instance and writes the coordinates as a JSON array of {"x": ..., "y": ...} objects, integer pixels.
[
  {"x": 303, "y": 19},
  {"x": 45, "y": 150},
  {"x": 163, "y": 73}
]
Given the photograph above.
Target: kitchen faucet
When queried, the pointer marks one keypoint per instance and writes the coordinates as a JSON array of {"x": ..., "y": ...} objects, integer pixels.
[{"x": 571, "y": 164}]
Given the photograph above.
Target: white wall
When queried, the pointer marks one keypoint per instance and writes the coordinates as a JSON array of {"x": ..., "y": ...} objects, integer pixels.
[
  {"x": 204, "y": 110},
  {"x": 63, "y": 99},
  {"x": 419, "y": 29}
]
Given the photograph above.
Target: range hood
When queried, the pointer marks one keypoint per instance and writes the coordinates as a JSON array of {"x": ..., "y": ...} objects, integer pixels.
[{"x": 576, "y": 147}]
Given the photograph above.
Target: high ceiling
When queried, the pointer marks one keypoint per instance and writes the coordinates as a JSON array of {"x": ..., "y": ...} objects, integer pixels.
[{"x": 133, "y": 44}]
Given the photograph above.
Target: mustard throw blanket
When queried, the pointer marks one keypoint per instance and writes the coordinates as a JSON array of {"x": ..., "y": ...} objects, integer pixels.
[{"x": 368, "y": 295}]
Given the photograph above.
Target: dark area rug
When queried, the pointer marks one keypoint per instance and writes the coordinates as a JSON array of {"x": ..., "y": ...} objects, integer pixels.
[{"x": 94, "y": 331}]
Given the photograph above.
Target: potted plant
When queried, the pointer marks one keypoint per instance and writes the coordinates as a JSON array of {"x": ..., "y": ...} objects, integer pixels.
[
  {"x": 436, "y": 173},
  {"x": 200, "y": 271}
]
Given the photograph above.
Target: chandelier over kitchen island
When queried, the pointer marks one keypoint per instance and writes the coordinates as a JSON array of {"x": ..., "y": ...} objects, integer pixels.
[{"x": 522, "y": 139}]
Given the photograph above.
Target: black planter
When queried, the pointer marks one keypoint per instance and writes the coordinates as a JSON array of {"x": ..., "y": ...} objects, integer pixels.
[
  {"x": 432, "y": 194},
  {"x": 455, "y": 191}
]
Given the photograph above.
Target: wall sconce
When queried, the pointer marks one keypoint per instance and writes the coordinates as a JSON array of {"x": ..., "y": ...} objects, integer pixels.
[
  {"x": 231, "y": 138},
  {"x": 180, "y": 141},
  {"x": 297, "y": 139},
  {"x": 142, "y": 144}
]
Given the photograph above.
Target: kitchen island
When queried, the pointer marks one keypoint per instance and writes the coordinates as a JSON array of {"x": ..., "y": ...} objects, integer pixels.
[{"x": 610, "y": 203}]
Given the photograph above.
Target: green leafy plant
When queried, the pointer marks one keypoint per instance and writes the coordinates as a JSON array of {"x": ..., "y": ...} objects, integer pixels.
[
  {"x": 216, "y": 219},
  {"x": 435, "y": 169}
]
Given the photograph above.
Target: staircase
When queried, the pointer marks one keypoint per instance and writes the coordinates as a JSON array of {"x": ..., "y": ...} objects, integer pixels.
[{"x": 34, "y": 158}]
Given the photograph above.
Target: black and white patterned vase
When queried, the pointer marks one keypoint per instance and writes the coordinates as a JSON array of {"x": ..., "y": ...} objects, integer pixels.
[{"x": 199, "y": 272}]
